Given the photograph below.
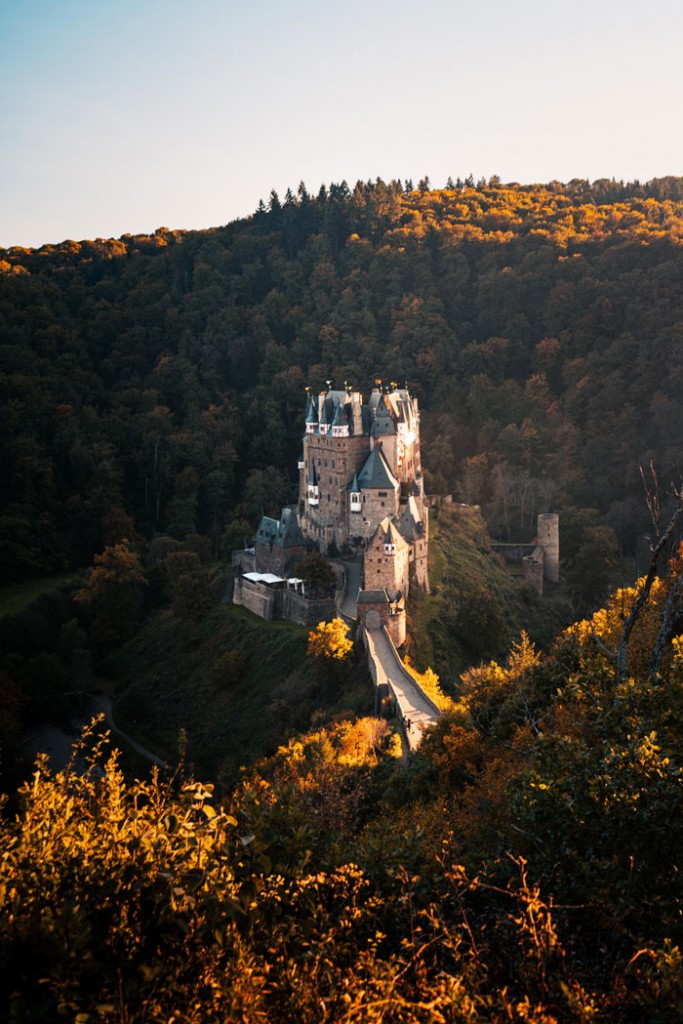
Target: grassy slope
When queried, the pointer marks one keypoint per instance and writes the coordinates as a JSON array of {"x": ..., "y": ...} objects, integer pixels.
[
  {"x": 476, "y": 607},
  {"x": 15, "y": 598},
  {"x": 236, "y": 685}
]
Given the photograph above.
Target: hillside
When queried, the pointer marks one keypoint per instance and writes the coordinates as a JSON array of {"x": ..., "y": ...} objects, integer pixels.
[
  {"x": 162, "y": 377},
  {"x": 227, "y": 690},
  {"x": 523, "y": 866},
  {"x": 477, "y": 606},
  {"x": 188, "y": 674}
]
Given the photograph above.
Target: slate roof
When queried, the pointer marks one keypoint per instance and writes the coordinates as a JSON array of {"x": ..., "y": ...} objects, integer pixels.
[
  {"x": 412, "y": 525},
  {"x": 340, "y": 418},
  {"x": 311, "y": 410},
  {"x": 283, "y": 532},
  {"x": 267, "y": 530},
  {"x": 372, "y": 596},
  {"x": 384, "y": 423},
  {"x": 391, "y": 533},
  {"x": 379, "y": 415},
  {"x": 376, "y": 473}
]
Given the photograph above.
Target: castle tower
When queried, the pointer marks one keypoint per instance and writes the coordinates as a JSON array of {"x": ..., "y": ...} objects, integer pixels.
[
  {"x": 549, "y": 539},
  {"x": 387, "y": 561}
]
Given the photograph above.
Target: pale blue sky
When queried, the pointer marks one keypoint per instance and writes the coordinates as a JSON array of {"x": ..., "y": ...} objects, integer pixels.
[{"x": 125, "y": 115}]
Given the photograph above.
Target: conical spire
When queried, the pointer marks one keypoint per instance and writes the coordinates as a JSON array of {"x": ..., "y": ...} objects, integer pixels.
[{"x": 311, "y": 413}]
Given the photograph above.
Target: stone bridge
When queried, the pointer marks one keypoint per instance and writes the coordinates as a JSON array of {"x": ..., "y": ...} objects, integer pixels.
[{"x": 413, "y": 707}]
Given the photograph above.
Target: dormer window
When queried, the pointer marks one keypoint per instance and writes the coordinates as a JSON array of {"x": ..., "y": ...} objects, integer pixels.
[
  {"x": 355, "y": 501},
  {"x": 310, "y": 428},
  {"x": 389, "y": 549}
]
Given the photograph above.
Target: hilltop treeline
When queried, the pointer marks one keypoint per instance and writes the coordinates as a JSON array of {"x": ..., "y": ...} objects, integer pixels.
[{"x": 158, "y": 380}]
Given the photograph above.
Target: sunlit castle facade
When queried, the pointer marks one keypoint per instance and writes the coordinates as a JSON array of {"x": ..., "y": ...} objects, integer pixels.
[{"x": 360, "y": 476}]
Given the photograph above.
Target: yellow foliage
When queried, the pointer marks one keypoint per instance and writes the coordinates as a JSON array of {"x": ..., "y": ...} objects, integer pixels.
[
  {"x": 330, "y": 640},
  {"x": 523, "y": 655},
  {"x": 603, "y": 630},
  {"x": 116, "y": 566},
  {"x": 429, "y": 682}
]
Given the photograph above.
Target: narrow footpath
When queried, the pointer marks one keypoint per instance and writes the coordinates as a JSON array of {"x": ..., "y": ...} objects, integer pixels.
[{"x": 102, "y": 705}]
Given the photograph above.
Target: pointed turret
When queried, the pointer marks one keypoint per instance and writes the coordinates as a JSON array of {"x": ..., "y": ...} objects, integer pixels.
[
  {"x": 384, "y": 425},
  {"x": 324, "y": 422},
  {"x": 355, "y": 495},
  {"x": 311, "y": 415}
]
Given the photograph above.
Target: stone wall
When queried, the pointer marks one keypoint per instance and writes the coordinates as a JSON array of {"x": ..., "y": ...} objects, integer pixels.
[
  {"x": 336, "y": 459},
  {"x": 549, "y": 539},
  {"x": 386, "y": 572},
  {"x": 244, "y": 559},
  {"x": 376, "y": 506},
  {"x": 305, "y": 612},
  {"x": 375, "y": 610},
  {"x": 277, "y": 559},
  {"x": 263, "y": 601},
  {"x": 271, "y": 603},
  {"x": 532, "y": 568}
]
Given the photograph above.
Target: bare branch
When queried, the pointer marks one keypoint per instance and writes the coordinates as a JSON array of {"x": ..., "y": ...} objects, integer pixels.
[
  {"x": 653, "y": 503},
  {"x": 671, "y": 615}
]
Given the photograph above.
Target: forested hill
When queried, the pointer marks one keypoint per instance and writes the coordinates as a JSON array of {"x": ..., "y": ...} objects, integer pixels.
[{"x": 161, "y": 378}]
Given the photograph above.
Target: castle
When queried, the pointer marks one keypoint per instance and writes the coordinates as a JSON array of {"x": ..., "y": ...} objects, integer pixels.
[
  {"x": 361, "y": 491},
  {"x": 361, "y": 488}
]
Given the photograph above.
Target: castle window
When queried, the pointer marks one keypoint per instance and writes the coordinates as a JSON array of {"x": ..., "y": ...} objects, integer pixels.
[{"x": 381, "y": 494}]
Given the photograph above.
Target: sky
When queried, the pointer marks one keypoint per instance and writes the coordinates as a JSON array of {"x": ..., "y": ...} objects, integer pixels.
[{"x": 127, "y": 115}]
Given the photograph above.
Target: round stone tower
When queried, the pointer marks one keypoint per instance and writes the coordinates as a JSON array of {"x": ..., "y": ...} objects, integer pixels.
[{"x": 549, "y": 539}]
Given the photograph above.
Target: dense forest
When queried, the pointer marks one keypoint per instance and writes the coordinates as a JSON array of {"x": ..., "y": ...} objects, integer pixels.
[{"x": 157, "y": 383}]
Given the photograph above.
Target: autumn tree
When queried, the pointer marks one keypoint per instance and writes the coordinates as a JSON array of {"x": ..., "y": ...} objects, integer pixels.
[
  {"x": 329, "y": 641},
  {"x": 112, "y": 595}
]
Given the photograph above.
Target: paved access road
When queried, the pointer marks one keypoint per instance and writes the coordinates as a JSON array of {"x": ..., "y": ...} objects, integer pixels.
[{"x": 353, "y": 572}]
